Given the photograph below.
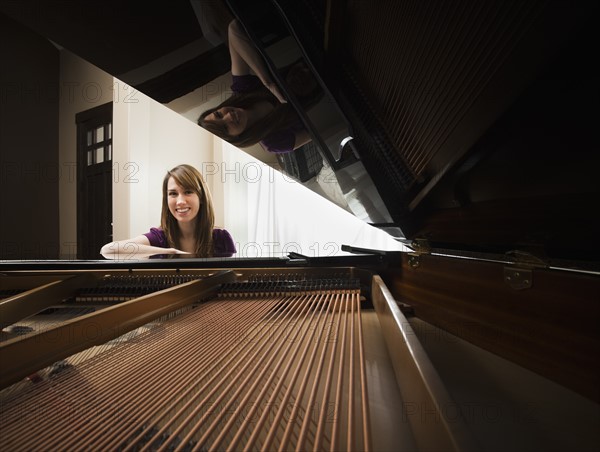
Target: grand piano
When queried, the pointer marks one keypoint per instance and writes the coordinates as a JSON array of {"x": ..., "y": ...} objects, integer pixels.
[{"x": 466, "y": 130}]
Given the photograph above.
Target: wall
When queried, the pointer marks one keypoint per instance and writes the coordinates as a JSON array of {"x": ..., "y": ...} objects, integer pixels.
[
  {"x": 82, "y": 86},
  {"x": 29, "y": 169}
]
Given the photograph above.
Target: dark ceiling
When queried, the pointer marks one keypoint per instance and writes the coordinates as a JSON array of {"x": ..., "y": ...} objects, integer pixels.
[
  {"x": 123, "y": 36},
  {"x": 116, "y": 36}
]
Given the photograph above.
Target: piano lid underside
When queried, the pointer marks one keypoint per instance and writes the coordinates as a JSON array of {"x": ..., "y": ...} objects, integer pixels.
[{"x": 476, "y": 120}]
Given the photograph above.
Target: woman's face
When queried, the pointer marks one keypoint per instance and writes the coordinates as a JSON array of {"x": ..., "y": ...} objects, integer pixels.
[
  {"x": 233, "y": 118},
  {"x": 184, "y": 204}
]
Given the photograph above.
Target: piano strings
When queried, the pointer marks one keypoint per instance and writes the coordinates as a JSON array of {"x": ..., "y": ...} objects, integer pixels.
[{"x": 275, "y": 365}]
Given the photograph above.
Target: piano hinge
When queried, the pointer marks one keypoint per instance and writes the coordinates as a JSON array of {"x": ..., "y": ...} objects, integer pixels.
[
  {"x": 518, "y": 278},
  {"x": 519, "y": 275},
  {"x": 413, "y": 260},
  {"x": 419, "y": 247}
]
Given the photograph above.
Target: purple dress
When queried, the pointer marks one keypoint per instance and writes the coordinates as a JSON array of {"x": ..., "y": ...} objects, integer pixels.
[
  {"x": 223, "y": 245},
  {"x": 279, "y": 141}
]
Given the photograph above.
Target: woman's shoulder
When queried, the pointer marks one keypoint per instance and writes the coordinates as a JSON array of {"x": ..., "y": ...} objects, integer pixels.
[
  {"x": 157, "y": 237},
  {"x": 245, "y": 83},
  {"x": 222, "y": 235},
  {"x": 223, "y": 244},
  {"x": 279, "y": 141}
]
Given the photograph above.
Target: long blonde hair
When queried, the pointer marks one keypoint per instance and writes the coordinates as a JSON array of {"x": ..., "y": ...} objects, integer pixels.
[{"x": 189, "y": 178}]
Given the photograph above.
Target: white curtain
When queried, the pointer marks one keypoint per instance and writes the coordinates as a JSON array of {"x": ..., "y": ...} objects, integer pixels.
[{"x": 270, "y": 215}]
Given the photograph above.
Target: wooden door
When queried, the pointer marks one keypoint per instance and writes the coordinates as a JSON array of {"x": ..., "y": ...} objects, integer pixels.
[{"x": 94, "y": 181}]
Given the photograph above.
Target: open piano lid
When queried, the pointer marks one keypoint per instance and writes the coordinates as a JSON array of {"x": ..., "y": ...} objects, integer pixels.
[{"x": 477, "y": 121}]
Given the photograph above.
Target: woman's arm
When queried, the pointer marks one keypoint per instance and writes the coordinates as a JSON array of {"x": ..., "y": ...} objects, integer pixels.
[
  {"x": 133, "y": 248},
  {"x": 245, "y": 59},
  {"x": 285, "y": 140}
]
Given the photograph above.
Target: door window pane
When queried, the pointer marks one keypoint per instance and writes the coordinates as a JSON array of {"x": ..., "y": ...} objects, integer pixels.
[{"x": 100, "y": 134}]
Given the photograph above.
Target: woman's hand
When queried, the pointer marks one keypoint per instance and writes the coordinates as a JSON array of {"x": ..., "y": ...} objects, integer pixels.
[
  {"x": 275, "y": 91},
  {"x": 135, "y": 248},
  {"x": 176, "y": 251}
]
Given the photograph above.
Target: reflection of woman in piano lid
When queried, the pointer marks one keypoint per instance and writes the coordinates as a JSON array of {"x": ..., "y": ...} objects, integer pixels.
[
  {"x": 257, "y": 112},
  {"x": 187, "y": 223}
]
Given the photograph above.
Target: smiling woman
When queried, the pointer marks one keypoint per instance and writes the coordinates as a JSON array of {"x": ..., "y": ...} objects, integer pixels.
[
  {"x": 187, "y": 222},
  {"x": 235, "y": 120},
  {"x": 258, "y": 112}
]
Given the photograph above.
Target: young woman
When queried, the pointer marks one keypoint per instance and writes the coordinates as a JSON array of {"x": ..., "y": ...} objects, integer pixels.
[
  {"x": 186, "y": 225},
  {"x": 257, "y": 112}
]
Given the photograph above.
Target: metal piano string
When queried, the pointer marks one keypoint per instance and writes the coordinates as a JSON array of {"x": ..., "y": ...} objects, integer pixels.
[{"x": 262, "y": 366}]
